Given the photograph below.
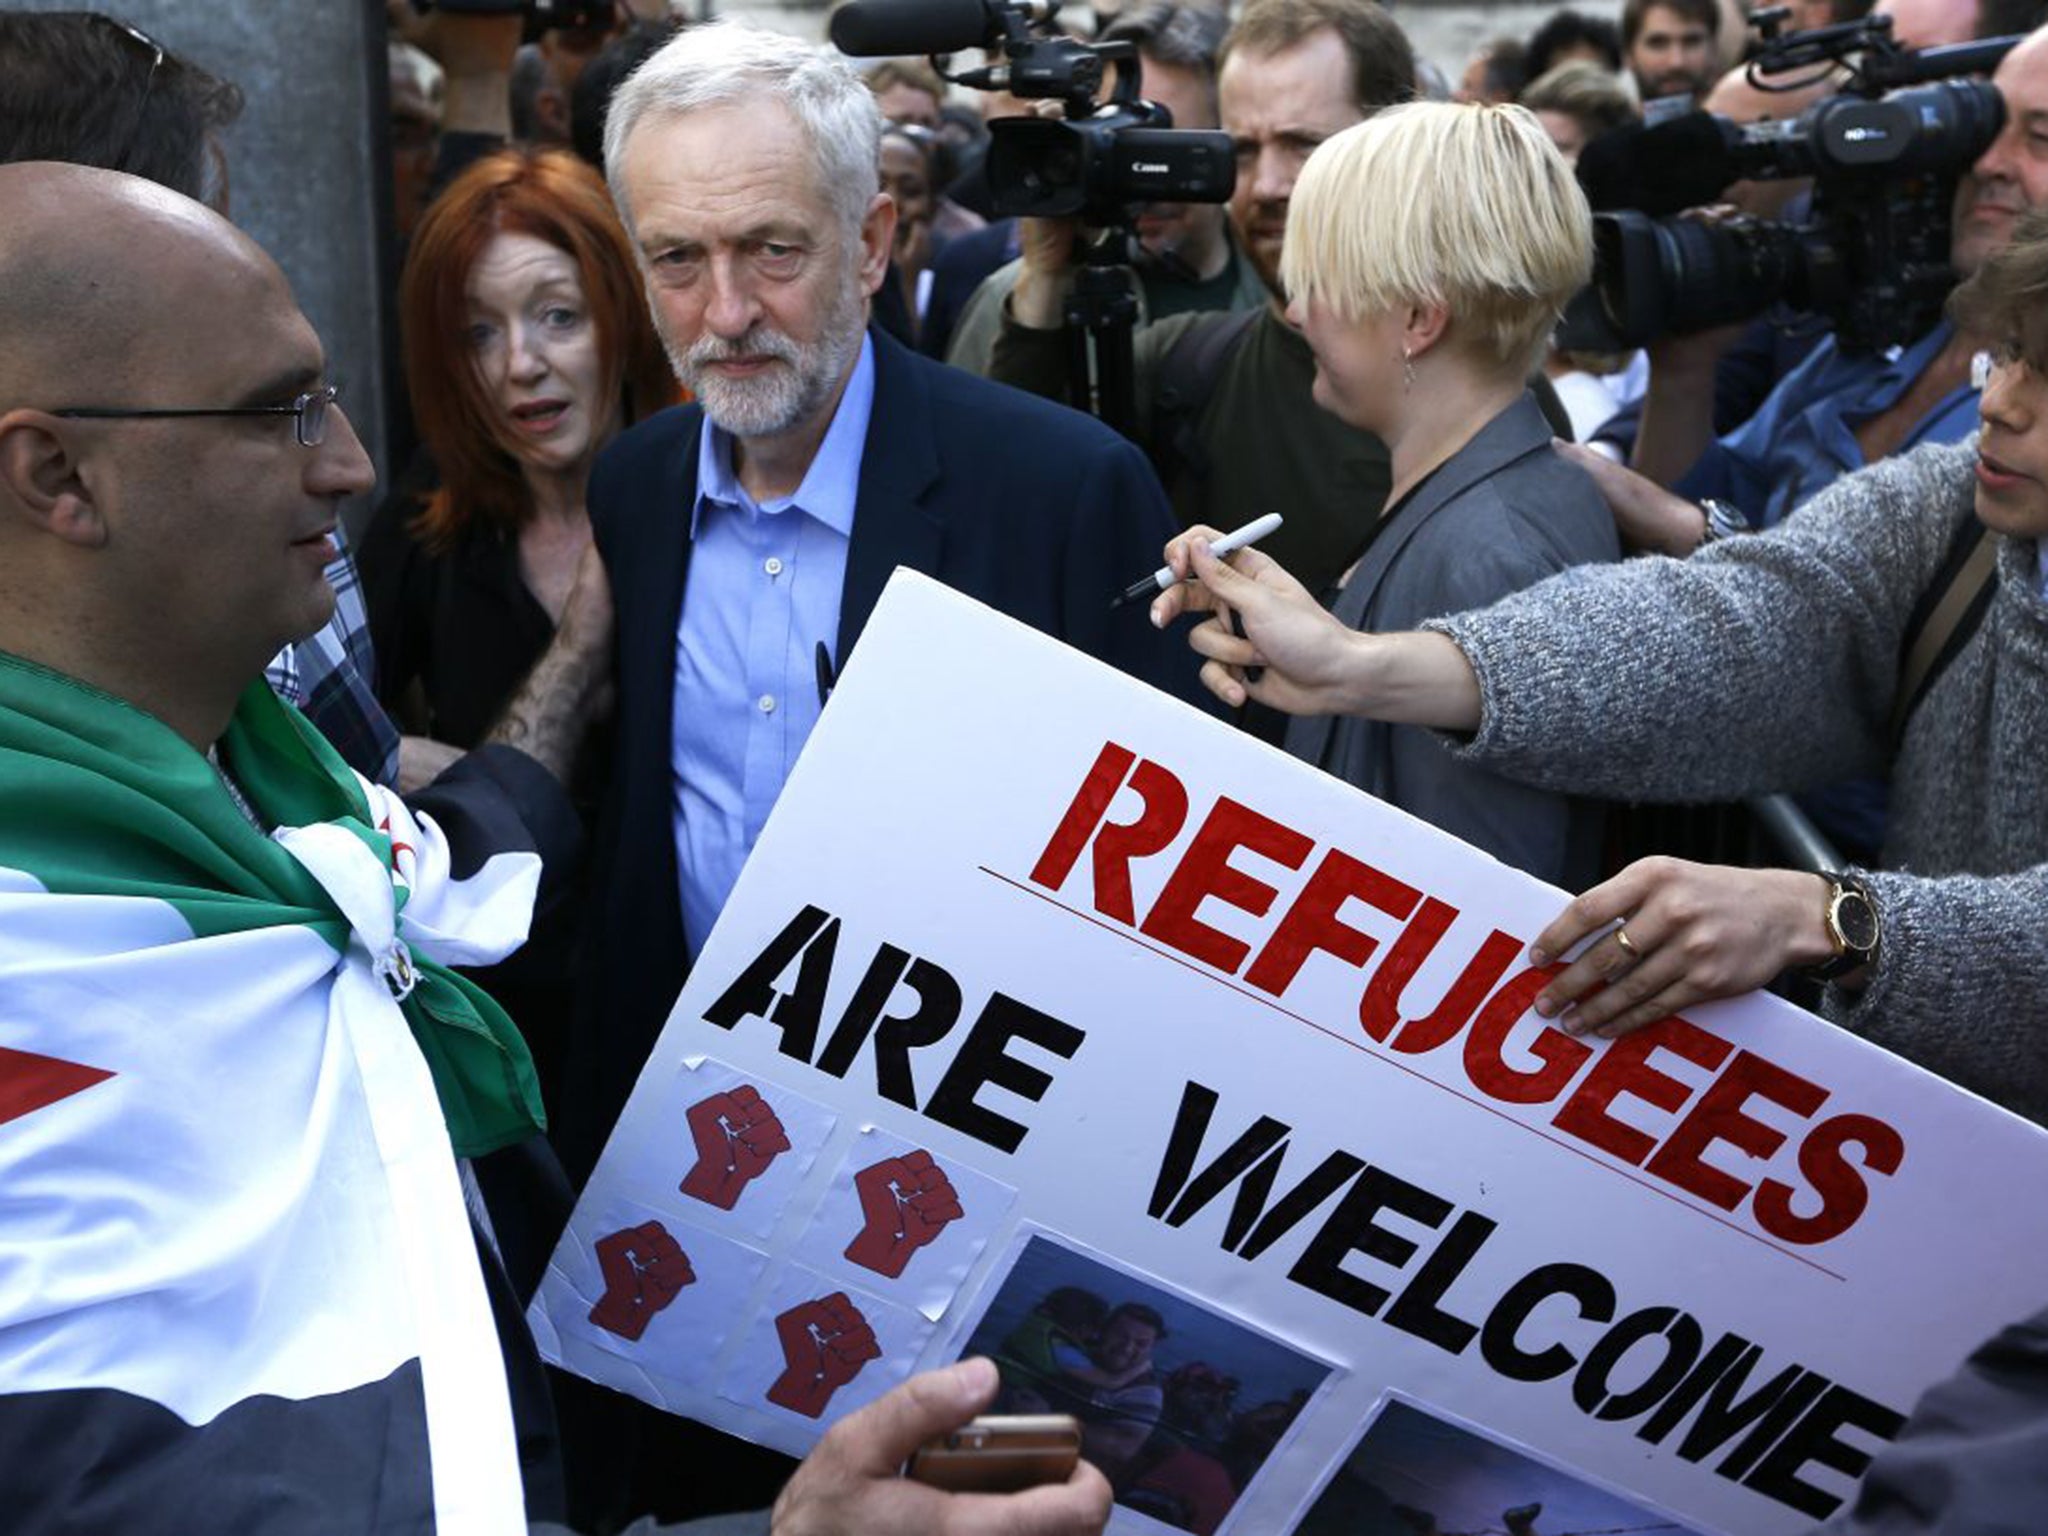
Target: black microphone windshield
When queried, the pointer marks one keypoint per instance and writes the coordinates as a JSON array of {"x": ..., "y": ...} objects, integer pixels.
[
  {"x": 1659, "y": 170},
  {"x": 880, "y": 29}
]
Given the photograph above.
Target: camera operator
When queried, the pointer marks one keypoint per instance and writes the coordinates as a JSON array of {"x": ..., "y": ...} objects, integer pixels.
[
  {"x": 1835, "y": 412},
  {"x": 1762, "y": 664},
  {"x": 1779, "y": 340},
  {"x": 1223, "y": 401},
  {"x": 1294, "y": 72},
  {"x": 1190, "y": 262}
]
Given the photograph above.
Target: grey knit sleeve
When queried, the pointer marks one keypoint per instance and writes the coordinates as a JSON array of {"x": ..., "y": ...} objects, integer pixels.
[
  {"x": 1760, "y": 664},
  {"x": 1961, "y": 982}
]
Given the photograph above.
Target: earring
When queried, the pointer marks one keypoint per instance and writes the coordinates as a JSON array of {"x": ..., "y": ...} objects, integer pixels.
[{"x": 1407, "y": 369}]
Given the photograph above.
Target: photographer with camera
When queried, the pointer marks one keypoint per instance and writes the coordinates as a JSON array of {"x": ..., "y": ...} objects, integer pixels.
[
  {"x": 1782, "y": 336},
  {"x": 1839, "y": 410},
  {"x": 1188, "y": 261},
  {"x": 1225, "y": 404}
]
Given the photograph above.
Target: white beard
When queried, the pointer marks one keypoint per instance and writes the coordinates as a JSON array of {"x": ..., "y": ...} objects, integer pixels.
[{"x": 792, "y": 390}]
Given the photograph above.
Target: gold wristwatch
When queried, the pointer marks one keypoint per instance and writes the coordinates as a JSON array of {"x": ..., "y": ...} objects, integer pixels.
[{"x": 1853, "y": 924}]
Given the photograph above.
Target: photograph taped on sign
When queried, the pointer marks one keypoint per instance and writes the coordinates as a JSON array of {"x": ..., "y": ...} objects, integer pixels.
[
  {"x": 1181, "y": 1405},
  {"x": 1418, "y": 1473}
]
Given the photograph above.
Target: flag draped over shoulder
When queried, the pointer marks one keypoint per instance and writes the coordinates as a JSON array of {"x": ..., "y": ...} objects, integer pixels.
[
  {"x": 102, "y": 798},
  {"x": 238, "y": 1284}
]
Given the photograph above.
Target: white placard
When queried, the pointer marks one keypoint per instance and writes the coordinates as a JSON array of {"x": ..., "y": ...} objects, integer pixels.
[{"x": 1216, "y": 1030}]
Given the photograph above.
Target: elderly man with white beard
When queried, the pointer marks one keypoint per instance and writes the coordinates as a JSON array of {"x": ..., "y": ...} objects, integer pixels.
[{"x": 749, "y": 535}]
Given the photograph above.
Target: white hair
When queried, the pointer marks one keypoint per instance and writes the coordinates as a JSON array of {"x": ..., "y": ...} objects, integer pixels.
[{"x": 728, "y": 61}]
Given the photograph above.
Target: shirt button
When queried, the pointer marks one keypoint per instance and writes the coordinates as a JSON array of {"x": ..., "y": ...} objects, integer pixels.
[
  {"x": 772, "y": 565},
  {"x": 766, "y": 703}
]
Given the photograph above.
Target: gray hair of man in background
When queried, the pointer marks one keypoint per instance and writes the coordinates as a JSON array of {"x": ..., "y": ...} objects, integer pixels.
[{"x": 726, "y": 62}]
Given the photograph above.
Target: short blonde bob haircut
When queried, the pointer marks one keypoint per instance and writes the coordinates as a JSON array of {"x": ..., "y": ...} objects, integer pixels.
[{"x": 1470, "y": 207}]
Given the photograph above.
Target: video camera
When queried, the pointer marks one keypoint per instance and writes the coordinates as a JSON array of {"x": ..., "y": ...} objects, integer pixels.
[
  {"x": 1885, "y": 156},
  {"x": 1096, "y": 161}
]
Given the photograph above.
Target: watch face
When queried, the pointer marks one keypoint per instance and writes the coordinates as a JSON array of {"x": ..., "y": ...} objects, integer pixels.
[
  {"x": 1723, "y": 521},
  {"x": 1856, "y": 920}
]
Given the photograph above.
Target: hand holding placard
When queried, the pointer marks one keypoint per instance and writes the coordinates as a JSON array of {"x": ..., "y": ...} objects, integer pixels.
[{"x": 852, "y": 1480}]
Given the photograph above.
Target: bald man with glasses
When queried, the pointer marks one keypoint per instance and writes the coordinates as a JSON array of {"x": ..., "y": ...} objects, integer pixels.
[
  {"x": 241, "y": 1285},
  {"x": 88, "y": 89},
  {"x": 230, "y": 1041}
]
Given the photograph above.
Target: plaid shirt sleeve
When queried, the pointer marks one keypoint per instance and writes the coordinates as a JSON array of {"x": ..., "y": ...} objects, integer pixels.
[{"x": 329, "y": 677}]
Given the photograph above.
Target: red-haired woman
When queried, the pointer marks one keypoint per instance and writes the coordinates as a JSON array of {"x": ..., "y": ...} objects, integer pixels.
[{"x": 527, "y": 347}]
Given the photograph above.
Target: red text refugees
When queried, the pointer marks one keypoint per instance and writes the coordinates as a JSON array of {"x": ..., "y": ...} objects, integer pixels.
[{"x": 1809, "y": 1192}]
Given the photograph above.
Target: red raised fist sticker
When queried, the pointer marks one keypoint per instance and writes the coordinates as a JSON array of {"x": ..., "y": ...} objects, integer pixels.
[
  {"x": 737, "y": 1137},
  {"x": 824, "y": 1345},
  {"x": 905, "y": 1202},
  {"x": 643, "y": 1269}
]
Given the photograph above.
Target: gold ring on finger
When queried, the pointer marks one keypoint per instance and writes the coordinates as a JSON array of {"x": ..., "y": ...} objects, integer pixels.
[{"x": 1628, "y": 945}]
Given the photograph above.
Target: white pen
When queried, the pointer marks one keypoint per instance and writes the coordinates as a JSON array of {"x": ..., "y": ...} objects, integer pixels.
[{"x": 1162, "y": 578}]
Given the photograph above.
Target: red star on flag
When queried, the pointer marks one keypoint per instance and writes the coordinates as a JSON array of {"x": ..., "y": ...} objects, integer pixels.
[{"x": 29, "y": 1082}]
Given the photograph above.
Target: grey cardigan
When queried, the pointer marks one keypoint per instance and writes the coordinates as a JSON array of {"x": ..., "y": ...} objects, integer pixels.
[{"x": 1769, "y": 663}]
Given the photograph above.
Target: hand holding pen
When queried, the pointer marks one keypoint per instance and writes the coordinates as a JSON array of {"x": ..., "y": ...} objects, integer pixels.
[
  {"x": 1262, "y": 619},
  {"x": 1227, "y": 544}
]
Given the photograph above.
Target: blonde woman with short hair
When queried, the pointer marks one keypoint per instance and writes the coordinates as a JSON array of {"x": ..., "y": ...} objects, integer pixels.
[{"x": 1429, "y": 252}]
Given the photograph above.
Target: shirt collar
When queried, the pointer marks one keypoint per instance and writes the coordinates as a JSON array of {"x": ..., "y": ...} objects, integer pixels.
[
  {"x": 831, "y": 484},
  {"x": 1910, "y": 362}
]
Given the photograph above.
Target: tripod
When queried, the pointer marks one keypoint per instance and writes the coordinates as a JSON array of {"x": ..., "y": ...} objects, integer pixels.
[{"x": 1100, "y": 315}]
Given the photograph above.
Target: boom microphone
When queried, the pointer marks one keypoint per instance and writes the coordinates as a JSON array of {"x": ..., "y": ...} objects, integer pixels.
[{"x": 870, "y": 29}]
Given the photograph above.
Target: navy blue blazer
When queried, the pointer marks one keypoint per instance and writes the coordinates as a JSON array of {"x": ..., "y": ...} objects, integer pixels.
[{"x": 1032, "y": 508}]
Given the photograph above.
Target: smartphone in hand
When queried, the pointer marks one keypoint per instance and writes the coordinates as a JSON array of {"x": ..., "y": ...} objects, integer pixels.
[{"x": 1000, "y": 1453}]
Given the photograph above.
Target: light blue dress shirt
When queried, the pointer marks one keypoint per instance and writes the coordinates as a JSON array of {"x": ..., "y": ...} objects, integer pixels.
[
  {"x": 1802, "y": 439},
  {"x": 762, "y": 593}
]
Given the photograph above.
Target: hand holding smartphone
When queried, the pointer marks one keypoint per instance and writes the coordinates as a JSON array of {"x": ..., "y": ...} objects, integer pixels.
[{"x": 1000, "y": 1453}]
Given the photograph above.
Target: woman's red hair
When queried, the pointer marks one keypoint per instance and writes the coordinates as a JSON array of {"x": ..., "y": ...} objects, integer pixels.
[{"x": 552, "y": 196}]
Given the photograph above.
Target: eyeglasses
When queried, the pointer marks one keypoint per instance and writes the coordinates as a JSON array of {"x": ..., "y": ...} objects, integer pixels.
[{"x": 308, "y": 412}]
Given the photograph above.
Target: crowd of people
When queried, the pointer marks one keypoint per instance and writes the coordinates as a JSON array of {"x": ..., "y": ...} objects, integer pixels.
[{"x": 347, "y": 876}]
